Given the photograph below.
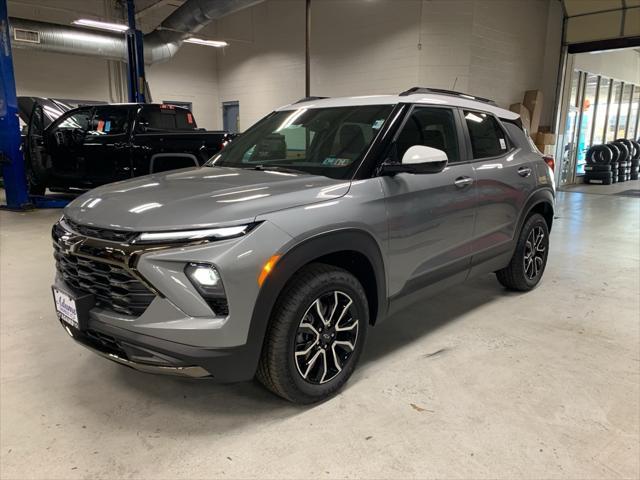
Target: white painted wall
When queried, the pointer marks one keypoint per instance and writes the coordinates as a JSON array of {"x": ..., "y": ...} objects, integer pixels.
[
  {"x": 264, "y": 66},
  {"x": 190, "y": 76},
  {"x": 496, "y": 49}
]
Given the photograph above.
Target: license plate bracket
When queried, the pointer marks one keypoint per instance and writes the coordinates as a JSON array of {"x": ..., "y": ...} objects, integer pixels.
[{"x": 73, "y": 309}]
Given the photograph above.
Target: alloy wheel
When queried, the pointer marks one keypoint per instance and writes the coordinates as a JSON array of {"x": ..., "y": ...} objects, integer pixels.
[
  {"x": 326, "y": 337},
  {"x": 534, "y": 253}
]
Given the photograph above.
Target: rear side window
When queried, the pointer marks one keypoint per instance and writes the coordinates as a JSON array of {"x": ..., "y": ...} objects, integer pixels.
[
  {"x": 167, "y": 117},
  {"x": 487, "y": 137},
  {"x": 431, "y": 127}
]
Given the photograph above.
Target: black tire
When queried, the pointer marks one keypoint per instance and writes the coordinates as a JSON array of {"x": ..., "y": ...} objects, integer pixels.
[
  {"x": 597, "y": 167},
  {"x": 624, "y": 151},
  {"x": 615, "y": 150},
  {"x": 599, "y": 154},
  {"x": 636, "y": 146},
  {"x": 278, "y": 369},
  {"x": 598, "y": 175},
  {"x": 516, "y": 275},
  {"x": 600, "y": 181}
]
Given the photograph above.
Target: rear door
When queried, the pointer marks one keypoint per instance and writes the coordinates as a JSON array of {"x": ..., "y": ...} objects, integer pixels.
[
  {"x": 505, "y": 178},
  {"x": 430, "y": 216}
]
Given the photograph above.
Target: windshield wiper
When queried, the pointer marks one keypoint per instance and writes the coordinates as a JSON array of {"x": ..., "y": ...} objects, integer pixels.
[{"x": 277, "y": 168}]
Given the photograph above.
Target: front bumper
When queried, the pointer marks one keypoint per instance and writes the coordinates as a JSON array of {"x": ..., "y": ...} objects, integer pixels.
[
  {"x": 152, "y": 355},
  {"x": 178, "y": 333}
]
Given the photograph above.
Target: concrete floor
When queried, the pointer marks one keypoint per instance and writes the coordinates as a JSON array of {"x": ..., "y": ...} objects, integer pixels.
[{"x": 474, "y": 383}]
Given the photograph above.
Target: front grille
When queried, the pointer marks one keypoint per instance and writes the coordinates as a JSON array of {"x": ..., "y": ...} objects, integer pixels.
[
  {"x": 114, "y": 288},
  {"x": 102, "y": 233}
]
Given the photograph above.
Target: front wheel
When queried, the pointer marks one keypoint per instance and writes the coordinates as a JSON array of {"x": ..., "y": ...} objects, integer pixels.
[
  {"x": 530, "y": 257},
  {"x": 316, "y": 335}
]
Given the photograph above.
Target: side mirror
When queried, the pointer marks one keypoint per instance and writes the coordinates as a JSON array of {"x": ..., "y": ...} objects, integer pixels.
[{"x": 418, "y": 159}]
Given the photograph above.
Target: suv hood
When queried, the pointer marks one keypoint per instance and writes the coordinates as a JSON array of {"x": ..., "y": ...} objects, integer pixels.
[{"x": 202, "y": 197}]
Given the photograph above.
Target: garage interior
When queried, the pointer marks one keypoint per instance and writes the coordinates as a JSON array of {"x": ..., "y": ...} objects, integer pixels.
[{"x": 475, "y": 382}]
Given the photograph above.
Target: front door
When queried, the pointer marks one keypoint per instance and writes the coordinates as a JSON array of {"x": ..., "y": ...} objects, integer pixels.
[
  {"x": 64, "y": 143},
  {"x": 430, "y": 216},
  {"x": 106, "y": 148}
]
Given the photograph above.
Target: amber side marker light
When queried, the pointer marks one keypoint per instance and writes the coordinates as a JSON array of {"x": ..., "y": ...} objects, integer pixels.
[{"x": 267, "y": 268}]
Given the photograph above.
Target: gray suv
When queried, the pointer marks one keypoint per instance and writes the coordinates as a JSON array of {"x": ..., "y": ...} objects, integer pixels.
[{"x": 275, "y": 257}]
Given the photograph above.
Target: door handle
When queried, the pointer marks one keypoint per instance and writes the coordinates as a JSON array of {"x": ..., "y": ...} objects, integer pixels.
[
  {"x": 524, "y": 171},
  {"x": 462, "y": 182}
]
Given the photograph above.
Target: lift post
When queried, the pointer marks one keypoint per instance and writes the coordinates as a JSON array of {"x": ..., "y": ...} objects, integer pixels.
[
  {"x": 12, "y": 161},
  {"x": 135, "y": 53}
]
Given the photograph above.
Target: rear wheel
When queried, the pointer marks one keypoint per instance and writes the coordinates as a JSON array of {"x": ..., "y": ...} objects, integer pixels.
[
  {"x": 530, "y": 257},
  {"x": 316, "y": 336}
]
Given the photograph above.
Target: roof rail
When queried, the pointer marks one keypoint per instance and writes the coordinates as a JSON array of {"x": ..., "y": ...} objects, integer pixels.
[
  {"x": 309, "y": 99},
  {"x": 440, "y": 91}
]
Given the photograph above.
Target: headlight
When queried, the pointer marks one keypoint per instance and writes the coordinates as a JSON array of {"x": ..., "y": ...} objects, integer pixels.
[{"x": 188, "y": 235}]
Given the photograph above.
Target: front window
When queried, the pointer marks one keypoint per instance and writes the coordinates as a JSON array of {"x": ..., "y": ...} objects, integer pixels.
[
  {"x": 319, "y": 141},
  {"x": 109, "y": 121}
]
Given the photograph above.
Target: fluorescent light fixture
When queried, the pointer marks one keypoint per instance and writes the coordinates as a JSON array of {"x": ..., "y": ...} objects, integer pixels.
[
  {"x": 209, "y": 43},
  {"x": 113, "y": 27},
  {"x": 186, "y": 235}
]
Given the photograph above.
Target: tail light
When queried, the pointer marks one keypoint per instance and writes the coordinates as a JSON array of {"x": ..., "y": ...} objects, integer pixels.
[{"x": 549, "y": 160}]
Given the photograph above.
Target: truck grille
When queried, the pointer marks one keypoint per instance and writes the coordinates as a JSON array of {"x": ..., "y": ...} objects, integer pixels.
[{"x": 114, "y": 288}]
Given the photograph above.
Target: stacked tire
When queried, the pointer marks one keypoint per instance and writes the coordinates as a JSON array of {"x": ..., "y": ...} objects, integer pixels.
[
  {"x": 599, "y": 162},
  {"x": 614, "y": 162}
]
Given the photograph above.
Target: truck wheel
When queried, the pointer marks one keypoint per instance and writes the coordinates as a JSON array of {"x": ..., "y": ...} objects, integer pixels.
[
  {"x": 317, "y": 332},
  {"x": 530, "y": 257}
]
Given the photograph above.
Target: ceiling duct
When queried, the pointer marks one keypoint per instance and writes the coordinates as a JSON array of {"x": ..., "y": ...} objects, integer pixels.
[{"x": 159, "y": 45}]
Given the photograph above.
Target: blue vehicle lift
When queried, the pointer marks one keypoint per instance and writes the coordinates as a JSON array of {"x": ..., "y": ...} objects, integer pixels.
[{"x": 11, "y": 154}]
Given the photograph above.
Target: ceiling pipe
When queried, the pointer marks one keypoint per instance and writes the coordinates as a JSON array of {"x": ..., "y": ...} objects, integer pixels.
[{"x": 159, "y": 45}]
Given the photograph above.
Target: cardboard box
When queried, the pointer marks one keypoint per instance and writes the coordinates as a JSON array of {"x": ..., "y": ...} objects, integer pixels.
[
  {"x": 545, "y": 138},
  {"x": 546, "y": 149},
  {"x": 525, "y": 116},
  {"x": 533, "y": 102}
]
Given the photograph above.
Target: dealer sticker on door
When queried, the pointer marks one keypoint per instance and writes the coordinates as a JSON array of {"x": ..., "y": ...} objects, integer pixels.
[{"x": 66, "y": 307}]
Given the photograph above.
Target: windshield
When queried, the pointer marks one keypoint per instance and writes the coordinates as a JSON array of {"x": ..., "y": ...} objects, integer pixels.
[{"x": 319, "y": 141}]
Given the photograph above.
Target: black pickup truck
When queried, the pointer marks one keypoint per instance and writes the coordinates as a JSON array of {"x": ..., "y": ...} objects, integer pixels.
[{"x": 93, "y": 145}]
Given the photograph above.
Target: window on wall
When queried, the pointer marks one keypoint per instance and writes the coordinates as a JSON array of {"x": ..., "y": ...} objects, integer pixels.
[
  {"x": 601, "y": 112},
  {"x": 634, "y": 131},
  {"x": 487, "y": 137},
  {"x": 586, "y": 122},
  {"x": 624, "y": 111},
  {"x": 612, "y": 120}
]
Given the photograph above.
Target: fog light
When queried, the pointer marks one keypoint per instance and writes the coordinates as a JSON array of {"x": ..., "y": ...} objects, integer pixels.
[
  {"x": 206, "y": 279},
  {"x": 207, "y": 276}
]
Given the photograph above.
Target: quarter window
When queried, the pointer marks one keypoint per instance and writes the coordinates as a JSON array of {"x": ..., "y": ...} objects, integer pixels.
[
  {"x": 431, "y": 127},
  {"x": 487, "y": 138}
]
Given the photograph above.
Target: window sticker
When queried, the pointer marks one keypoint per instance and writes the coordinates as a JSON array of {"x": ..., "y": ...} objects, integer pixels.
[
  {"x": 107, "y": 126},
  {"x": 377, "y": 124},
  {"x": 336, "y": 162},
  {"x": 189, "y": 118},
  {"x": 100, "y": 126},
  {"x": 503, "y": 144}
]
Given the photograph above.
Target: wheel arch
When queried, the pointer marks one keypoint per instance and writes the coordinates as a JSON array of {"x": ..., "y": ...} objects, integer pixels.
[
  {"x": 354, "y": 250},
  {"x": 542, "y": 202}
]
